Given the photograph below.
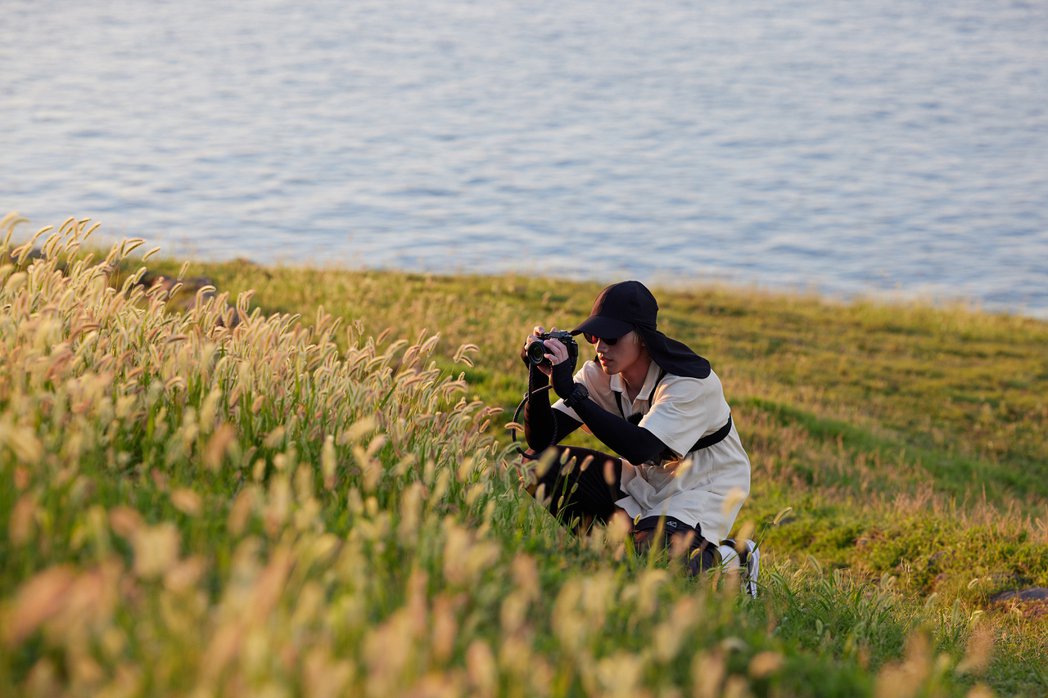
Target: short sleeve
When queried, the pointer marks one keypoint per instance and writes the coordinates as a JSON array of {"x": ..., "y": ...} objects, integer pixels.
[{"x": 684, "y": 410}]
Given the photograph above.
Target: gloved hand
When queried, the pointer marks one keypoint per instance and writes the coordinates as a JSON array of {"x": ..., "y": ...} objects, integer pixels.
[{"x": 563, "y": 378}]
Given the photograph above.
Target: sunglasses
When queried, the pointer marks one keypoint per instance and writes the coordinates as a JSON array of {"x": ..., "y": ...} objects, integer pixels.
[{"x": 593, "y": 339}]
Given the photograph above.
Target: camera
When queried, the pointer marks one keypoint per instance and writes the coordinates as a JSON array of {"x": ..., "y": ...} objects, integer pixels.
[{"x": 537, "y": 350}]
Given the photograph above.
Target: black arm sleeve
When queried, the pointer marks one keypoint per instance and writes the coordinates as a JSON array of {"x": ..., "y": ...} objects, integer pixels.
[
  {"x": 543, "y": 426},
  {"x": 635, "y": 444}
]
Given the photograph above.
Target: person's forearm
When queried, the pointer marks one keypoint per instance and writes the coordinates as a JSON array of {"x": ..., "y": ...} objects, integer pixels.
[
  {"x": 543, "y": 425},
  {"x": 635, "y": 444},
  {"x": 538, "y": 415}
]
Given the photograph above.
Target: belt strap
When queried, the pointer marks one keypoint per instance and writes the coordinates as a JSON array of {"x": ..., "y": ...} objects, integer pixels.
[{"x": 714, "y": 438}]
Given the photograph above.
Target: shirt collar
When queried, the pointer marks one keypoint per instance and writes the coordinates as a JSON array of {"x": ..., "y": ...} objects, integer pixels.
[
  {"x": 616, "y": 384},
  {"x": 649, "y": 382}
]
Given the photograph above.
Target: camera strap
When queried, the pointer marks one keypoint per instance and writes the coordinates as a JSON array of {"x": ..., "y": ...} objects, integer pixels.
[{"x": 635, "y": 418}]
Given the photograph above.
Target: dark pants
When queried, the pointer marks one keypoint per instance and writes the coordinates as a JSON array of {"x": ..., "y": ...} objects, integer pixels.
[
  {"x": 680, "y": 539},
  {"x": 581, "y": 488}
]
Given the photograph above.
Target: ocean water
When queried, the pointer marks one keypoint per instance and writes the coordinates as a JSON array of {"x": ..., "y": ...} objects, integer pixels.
[{"x": 884, "y": 147}]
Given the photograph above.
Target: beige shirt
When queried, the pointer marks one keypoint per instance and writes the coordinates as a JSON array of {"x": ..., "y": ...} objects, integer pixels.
[{"x": 705, "y": 487}]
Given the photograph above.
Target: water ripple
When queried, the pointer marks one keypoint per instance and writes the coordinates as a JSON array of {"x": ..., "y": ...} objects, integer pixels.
[{"x": 849, "y": 148}]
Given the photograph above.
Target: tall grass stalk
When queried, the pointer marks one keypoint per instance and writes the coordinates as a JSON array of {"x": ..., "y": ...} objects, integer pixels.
[{"x": 219, "y": 500}]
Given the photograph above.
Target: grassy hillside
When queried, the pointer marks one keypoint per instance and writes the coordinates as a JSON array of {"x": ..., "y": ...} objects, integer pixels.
[{"x": 302, "y": 486}]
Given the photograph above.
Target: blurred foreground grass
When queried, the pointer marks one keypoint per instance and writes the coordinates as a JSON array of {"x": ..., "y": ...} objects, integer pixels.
[{"x": 307, "y": 490}]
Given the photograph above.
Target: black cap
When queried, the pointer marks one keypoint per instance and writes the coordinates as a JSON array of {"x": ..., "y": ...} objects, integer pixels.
[
  {"x": 629, "y": 305},
  {"x": 620, "y": 308}
]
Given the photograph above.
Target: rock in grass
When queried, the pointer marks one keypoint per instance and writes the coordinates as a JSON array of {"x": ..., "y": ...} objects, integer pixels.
[{"x": 1021, "y": 595}]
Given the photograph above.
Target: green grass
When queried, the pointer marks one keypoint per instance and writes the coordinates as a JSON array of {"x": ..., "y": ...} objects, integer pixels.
[{"x": 305, "y": 503}]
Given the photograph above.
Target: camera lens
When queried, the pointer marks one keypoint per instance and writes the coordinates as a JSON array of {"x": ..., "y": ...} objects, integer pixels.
[{"x": 536, "y": 352}]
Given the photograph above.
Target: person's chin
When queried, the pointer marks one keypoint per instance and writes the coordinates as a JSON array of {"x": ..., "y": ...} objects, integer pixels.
[{"x": 606, "y": 366}]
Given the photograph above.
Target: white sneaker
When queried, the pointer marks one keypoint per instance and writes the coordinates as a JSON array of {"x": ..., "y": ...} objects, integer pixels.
[
  {"x": 730, "y": 559},
  {"x": 753, "y": 568}
]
